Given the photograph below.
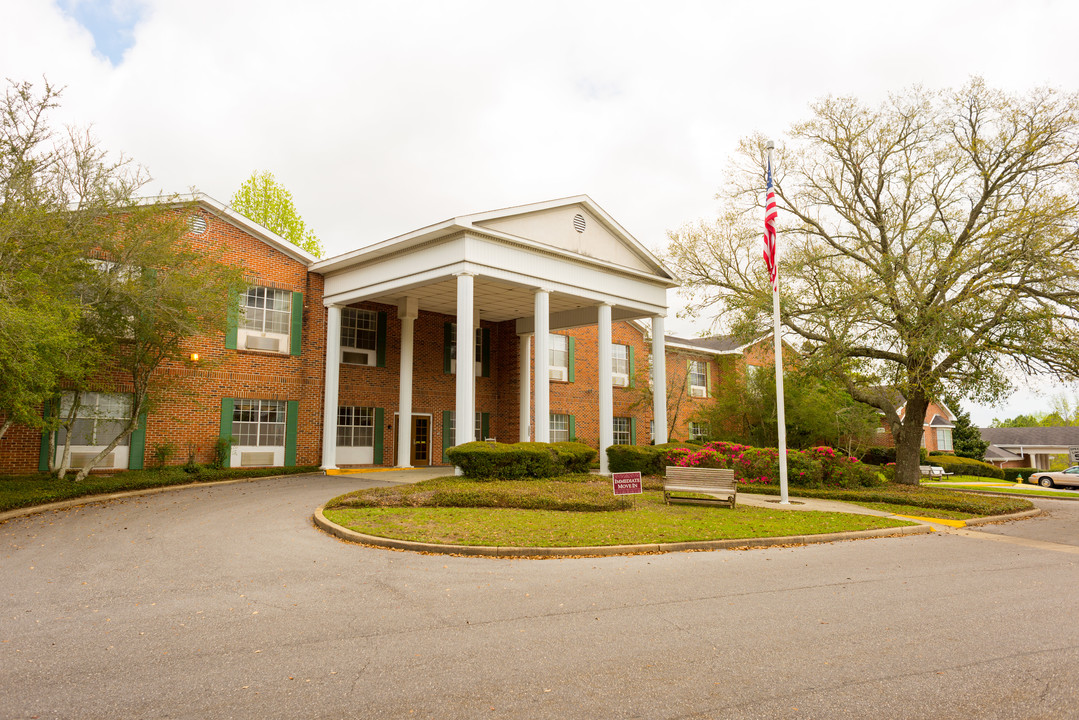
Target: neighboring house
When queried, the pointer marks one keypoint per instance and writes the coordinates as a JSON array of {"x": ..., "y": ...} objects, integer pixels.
[
  {"x": 937, "y": 427},
  {"x": 326, "y": 356},
  {"x": 1028, "y": 447}
]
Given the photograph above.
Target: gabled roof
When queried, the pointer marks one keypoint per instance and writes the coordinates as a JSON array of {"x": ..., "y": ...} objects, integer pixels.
[
  {"x": 939, "y": 421},
  {"x": 498, "y": 224},
  {"x": 716, "y": 344},
  {"x": 1032, "y": 437},
  {"x": 999, "y": 454},
  {"x": 224, "y": 212}
]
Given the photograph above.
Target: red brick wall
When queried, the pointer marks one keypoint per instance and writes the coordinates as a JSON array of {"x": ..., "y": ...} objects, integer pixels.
[{"x": 681, "y": 407}]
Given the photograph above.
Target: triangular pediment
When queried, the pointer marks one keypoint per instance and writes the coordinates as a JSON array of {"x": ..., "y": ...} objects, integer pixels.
[{"x": 574, "y": 228}]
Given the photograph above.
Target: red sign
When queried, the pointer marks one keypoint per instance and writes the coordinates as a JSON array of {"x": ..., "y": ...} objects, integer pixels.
[{"x": 627, "y": 483}]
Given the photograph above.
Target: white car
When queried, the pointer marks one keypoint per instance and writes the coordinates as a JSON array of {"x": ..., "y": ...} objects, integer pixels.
[{"x": 1069, "y": 477}]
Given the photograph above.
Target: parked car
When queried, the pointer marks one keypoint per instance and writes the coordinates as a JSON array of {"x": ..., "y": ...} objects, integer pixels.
[{"x": 1069, "y": 477}]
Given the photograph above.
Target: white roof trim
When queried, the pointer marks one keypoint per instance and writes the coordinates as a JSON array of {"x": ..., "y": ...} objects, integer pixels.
[{"x": 469, "y": 223}]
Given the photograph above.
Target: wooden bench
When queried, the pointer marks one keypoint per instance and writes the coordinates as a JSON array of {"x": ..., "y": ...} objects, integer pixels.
[{"x": 702, "y": 481}]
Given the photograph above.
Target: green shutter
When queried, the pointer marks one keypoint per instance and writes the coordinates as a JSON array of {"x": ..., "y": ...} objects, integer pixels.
[
  {"x": 485, "y": 426},
  {"x": 380, "y": 419},
  {"x": 226, "y": 425},
  {"x": 43, "y": 458},
  {"x": 571, "y": 343},
  {"x": 689, "y": 377},
  {"x": 632, "y": 428},
  {"x": 137, "y": 450},
  {"x": 380, "y": 340},
  {"x": 447, "y": 441},
  {"x": 233, "y": 316},
  {"x": 295, "y": 336},
  {"x": 447, "y": 345},
  {"x": 630, "y": 365},
  {"x": 292, "y": 419},
  {"x": 485, "y": 345},
  {"x": 708, "y": 377},
  {"x": 572, "y": 427}
]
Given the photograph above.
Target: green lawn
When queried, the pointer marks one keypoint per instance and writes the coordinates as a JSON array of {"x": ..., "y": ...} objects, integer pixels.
[
  {"x": 565, "y": 512},
  {"x": 19, "y": 491}
]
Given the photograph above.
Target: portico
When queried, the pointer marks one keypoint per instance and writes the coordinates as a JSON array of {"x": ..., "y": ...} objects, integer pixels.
[{"x": 526, "y": 271}]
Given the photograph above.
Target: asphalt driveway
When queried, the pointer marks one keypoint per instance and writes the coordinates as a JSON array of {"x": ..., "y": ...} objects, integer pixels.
[{"x": 226, "y": 602}]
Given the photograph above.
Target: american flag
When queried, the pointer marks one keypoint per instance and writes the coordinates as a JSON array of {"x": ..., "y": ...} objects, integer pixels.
[{"x": 770, "y": 227}]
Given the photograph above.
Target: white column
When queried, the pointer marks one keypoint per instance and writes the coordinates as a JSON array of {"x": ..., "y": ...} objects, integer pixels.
[
  {"x": 407, "y": 311},
  {"x": 659, "y": 379},
  {"x": 606, "y": 394},
  {"x": 525, "y": 417},
  {"x": 542, "y": 324},
  {"x": 465, "y": 408},
  {"x": 331, "y": 387}
]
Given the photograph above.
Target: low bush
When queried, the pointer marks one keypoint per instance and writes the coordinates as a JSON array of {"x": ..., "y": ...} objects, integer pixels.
[
  {"x": 484, "y": 460},
  {"x": 966, "y": 466},
  {"x": 1011, "y": 474}
]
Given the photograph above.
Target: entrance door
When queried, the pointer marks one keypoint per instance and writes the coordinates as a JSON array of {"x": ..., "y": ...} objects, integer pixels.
[
  {"x": 421, "y": 440},
  {"x": 419, "y": 450}
]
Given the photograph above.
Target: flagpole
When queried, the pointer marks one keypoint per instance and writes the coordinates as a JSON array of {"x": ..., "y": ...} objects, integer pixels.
[{"x": 780, "y": 403}]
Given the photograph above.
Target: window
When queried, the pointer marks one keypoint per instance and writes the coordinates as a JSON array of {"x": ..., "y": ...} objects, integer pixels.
[
  {"x": 559, "y": 428},
  {"x": 699, "y": 431},
  {"x": 259, "y": 423},
  {"x": 651, "y": 431},
  {"x": 622, "y": 431},
  {"x": 266, "y": 318},
  {"x": 698, "y": 378},
  {"x": 99, "y": 419},
  {"x": 944, "y": 439},
  {"x": 558, "y": 357},
  {"x": 266, "y": 310},
  {"x": 620, "y": 365},
  {"x": 451, "y": 434},
  {"x": 477, "y": 350},
  {"x": 359, "y": 329},
  {"x": 355, "y": 426}
]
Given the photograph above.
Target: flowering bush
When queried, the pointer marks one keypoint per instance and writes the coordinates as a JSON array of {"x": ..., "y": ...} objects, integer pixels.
[{"x": 817, "y": 467}]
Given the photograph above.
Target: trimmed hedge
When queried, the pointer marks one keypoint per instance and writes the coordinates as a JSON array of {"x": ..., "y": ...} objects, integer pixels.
[
  {"x": 645, "y": 459},
  {"x": 1010, "y": 474},
  {"x": 483, "y": 460},
  {"x": 966, "y": 466}
]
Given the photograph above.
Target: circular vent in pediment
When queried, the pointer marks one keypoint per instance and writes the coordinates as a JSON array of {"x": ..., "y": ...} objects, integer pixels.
[
  {"x": 578, "y": 222},
  {"x": 197, "y": 225}
]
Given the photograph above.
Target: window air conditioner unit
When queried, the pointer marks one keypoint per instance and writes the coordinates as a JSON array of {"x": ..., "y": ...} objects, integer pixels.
[
  {"x": 698, "y": 391},
  {"x": 558, "y": 374},
  {"x": 256, "y": 342},
  {"x": 620, "y": 380},
  {"x": 82, "y": 459},
  {"x": 255, "y": 459},
  {"x": 355, "y": 357}
]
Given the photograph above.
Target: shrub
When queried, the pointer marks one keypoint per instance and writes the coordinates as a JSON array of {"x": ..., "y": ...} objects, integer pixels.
[
  {"x": 482, "y": 460},
  {"x": 966, "y": 466},
  {"x": 645, "y": 459},
  {"x": 162, "y": 453},
  {"x": 222, "y": 451},
  {"x": 1010, "y": 474},
  {"x": 818, "y": 467},
  {"x": 879, "y": 456}
]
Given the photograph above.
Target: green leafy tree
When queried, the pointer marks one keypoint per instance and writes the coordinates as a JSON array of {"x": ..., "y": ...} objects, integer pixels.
[
  {"x": 818, "y": 412},
  {"x": 966, "y": 440},
  {"x": 928, "y": 244},
  {"x": 268, "y": 203}
]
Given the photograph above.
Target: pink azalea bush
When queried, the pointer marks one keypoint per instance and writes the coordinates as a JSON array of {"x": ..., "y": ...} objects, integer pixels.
[{"x": 816, "y": 467}]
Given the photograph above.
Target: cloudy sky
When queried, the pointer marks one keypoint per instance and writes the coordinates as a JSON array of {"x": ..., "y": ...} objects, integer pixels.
[{"x": 382, "y": 117}]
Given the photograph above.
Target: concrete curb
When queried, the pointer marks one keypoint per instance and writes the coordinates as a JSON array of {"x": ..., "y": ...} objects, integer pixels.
[
  {"x": 1035, "y": 495},
  {"x": 1003, "y": 518},
  {"x": 106, "y": 497},
  {"x": 322, "y": 522}
]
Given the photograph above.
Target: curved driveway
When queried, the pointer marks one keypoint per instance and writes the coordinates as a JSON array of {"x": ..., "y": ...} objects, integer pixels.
[{"x": 225, "y": 602}]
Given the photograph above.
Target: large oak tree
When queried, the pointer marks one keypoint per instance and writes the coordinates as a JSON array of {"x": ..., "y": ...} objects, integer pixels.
[{"x": 928, "y": 244}]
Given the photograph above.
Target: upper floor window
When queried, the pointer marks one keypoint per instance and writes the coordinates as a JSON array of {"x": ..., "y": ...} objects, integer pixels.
[
  {"x": 558, "y": 357},
  {"x": 620, "y": 355},
  {"x": 699, "y": 431},
  {"x": 359, "y": 336},
  {"x": 698, "y": 378},
  {"x": 265, "y": 319},
  {"x": 482, "y": 336}
]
